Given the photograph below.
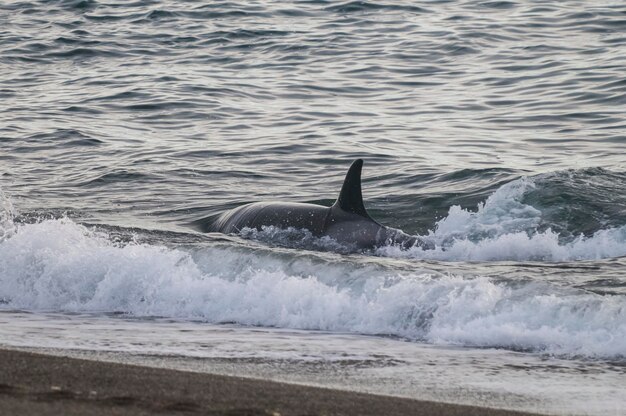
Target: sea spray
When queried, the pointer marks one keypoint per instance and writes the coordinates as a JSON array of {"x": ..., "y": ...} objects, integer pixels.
[
  {"x": 7, "y": 216},
  {"x": 504, "y": 227}
]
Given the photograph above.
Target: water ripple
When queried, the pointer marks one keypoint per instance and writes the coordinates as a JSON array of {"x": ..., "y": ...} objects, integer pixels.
[{"x": 444, "y": 100}]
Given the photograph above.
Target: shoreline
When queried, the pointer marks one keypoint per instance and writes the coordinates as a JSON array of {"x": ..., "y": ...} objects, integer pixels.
[{"x": 39, "y": 384}]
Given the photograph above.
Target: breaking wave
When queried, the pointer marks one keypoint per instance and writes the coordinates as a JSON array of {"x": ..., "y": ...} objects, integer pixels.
[
  {"x": 63, "y": 266},
  {"x": 505, "y": 227}
]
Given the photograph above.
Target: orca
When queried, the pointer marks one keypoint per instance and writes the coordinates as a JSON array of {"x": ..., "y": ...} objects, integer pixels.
[{"x": 346, "y": 221}]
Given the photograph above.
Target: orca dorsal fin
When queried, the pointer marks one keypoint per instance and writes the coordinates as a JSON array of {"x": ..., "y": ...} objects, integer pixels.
[{"x": 350, "y": 199}]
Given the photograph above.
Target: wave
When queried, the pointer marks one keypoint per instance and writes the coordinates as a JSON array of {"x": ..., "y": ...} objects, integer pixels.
[
  {"x": 63, "y": 266},
  {"x": 506, "y": 227}
]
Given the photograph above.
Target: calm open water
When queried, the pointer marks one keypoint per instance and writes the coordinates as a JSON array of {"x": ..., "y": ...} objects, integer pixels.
[{"x": 493, "y": 129}]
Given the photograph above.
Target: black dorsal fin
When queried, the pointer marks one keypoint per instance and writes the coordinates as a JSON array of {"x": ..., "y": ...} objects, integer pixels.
[{"x": 350, "y": 199}]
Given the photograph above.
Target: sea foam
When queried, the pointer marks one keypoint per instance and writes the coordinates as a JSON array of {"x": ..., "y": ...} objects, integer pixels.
[
  {"x": 63, "y": 266},
  {"x": 505, "y": 228}
]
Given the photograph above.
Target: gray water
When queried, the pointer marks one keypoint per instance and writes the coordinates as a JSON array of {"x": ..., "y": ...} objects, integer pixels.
[{"x": 494, "y": 130}]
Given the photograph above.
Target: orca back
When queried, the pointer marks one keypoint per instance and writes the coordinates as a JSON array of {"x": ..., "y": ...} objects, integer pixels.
[{"x": 278, "y": 214}]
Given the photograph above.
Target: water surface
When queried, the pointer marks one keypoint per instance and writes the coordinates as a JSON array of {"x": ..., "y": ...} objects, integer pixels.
[{"x": 493, "y": 129}]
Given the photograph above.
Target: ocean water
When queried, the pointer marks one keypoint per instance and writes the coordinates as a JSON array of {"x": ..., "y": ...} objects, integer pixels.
[{"x": 492, "y": 129}]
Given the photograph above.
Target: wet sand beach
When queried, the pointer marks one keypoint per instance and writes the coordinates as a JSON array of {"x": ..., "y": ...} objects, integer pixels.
[{"x": 36, "y": 384}]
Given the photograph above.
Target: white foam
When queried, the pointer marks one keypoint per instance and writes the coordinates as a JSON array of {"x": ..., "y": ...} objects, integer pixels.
[
  {"x": 504, "y": 228},
  {"x": 7, "y": 214},
  {"x": 60, "y": 265}
]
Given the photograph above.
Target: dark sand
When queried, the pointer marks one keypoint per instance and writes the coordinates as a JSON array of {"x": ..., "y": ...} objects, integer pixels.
[{"x": 36, "y": 384}]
